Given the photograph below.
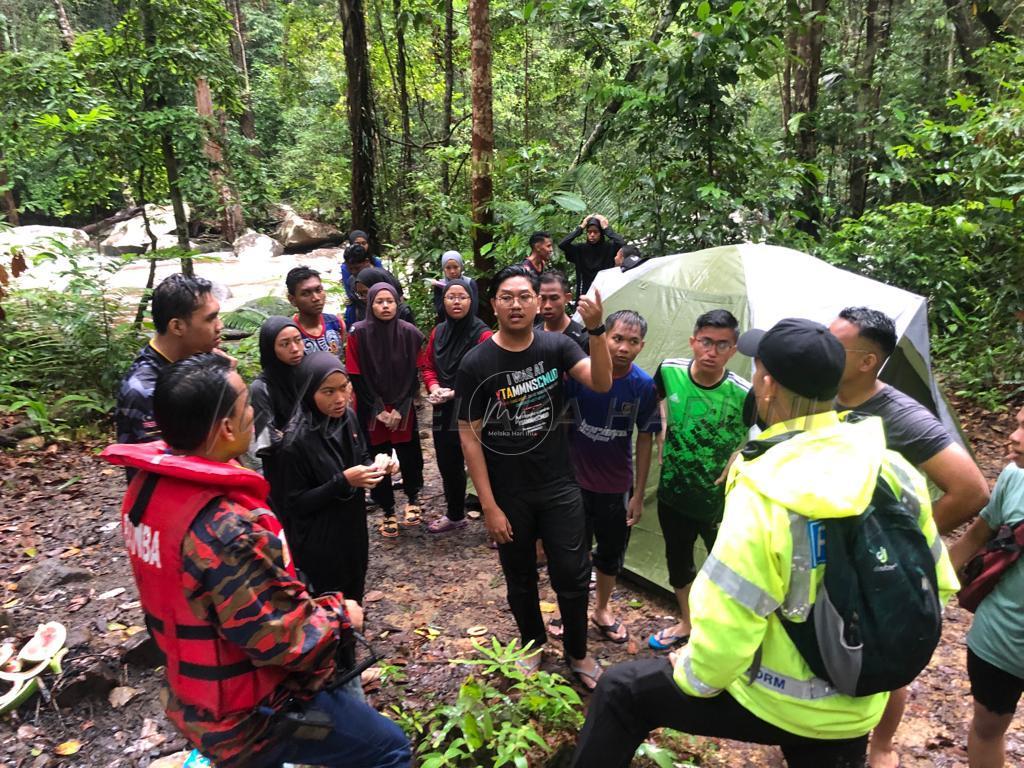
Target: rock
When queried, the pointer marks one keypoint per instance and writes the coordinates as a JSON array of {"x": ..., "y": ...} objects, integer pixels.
[
  {"x": 252, "y": 246},
  {"x": 35, "y": 239},
  {"x": 130, "y": 236},
  {"x": 50, "y": 573},
  {"x": 78, "y": 636},
  {"x": 296, "y": 233},
  {"x": 86, "y": 678},
  {"x": 222, "y": 291},
  {"x": 33, "y": 443},
  {"x": 141, "y": 651},
  {"x": 335, "y": 254}
]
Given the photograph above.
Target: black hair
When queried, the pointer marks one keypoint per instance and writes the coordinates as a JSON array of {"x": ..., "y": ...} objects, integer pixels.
[
  {"x": 629, "y": 250},
  {"x": 355, "y": 233},
  {"x": 717, "y": 318},
  {"x": 627, "y": 317},
  {"x": 177, "y": 296},
  {"x": 874, "y": 326},
  {"x": 355, "y": 254},
  {"x": 538, "y": 237},
  {"x": 190, "y": 397},
  {"x": 298, "y": 275},
  {"x": 555, "y": 276},
  {"x": 514, "y": 270}
]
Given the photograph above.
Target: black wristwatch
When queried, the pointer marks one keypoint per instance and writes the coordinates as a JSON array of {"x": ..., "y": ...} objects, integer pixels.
[{"x": 596, "y": 331}]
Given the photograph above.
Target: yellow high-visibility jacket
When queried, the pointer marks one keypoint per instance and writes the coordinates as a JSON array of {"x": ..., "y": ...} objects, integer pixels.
[{"x": 764, "y": 560}]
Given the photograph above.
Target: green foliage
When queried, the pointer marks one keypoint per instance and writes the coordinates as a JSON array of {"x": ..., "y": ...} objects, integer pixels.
[{"x": 64, "y": 352}]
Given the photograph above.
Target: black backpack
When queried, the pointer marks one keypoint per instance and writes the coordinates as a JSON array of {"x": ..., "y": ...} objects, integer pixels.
[{"x": 876, "y": 619}]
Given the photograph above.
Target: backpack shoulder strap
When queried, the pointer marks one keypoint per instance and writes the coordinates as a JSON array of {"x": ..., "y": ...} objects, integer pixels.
[{"x": 755, "y": 448}]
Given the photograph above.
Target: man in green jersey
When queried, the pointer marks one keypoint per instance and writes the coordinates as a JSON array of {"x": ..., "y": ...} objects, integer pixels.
[{"x": 703, "y": 415}]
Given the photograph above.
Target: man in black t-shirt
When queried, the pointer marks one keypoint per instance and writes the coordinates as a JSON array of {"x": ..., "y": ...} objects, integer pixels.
[
  {"x": 869, "y": 338},
  {"x": 540, "y": 253},
  {"x": 512, "y": 394},
  {"x": 554, "y": 297}
]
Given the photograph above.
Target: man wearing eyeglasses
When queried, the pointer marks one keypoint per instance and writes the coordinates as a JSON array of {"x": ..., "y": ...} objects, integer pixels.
[
  {"x": 512, "y": 396},
  {"x": 702, "y": 410}
]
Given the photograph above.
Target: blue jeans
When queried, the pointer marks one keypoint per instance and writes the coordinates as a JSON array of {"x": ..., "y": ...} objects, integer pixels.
[{"x": 362, "y": 737}]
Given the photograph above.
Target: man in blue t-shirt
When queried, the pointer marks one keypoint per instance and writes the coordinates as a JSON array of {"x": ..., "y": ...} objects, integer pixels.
[
  {"x": 321, "y": 332},
  {"x": 600, "y": 445}
]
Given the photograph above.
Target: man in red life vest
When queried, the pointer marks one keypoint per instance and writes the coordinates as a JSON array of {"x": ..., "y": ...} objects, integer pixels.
[{"x": 245, "y": 643}]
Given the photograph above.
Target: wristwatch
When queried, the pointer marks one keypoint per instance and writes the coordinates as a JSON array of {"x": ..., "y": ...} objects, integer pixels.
[{"x": 596, "y": 331}]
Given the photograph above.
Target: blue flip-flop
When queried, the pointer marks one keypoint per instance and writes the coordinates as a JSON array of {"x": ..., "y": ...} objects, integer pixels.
[{"x": 659, "y": 641}]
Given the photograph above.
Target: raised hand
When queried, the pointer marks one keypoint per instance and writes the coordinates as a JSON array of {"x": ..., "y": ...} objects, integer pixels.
[{"x": 591, "y": 309}]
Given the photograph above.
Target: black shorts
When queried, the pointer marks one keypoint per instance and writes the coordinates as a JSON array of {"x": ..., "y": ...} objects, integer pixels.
[
  {"x": 680, "y": 534},
  {"x": 995, "y": 689}
]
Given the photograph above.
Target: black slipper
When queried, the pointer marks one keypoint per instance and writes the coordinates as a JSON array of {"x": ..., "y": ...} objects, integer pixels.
[{"x": 610, "y": 631}]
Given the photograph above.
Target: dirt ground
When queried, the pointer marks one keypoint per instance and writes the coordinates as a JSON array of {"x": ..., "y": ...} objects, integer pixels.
[{"x": 60, "y": 505}]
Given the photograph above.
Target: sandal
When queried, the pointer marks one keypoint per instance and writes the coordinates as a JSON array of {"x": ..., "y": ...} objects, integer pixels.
[
  {"x": 611, "y": 631},
  {"x": 555, "y": 628},
  {"x": 531, "y": 664},
  {"x": 661, "y": 641},
  {"x": 444, "y": 524},
  {"x": 587, "y": 679},
  {"x": 389, "y": 527},
  {"x": 412, "y": 515}
]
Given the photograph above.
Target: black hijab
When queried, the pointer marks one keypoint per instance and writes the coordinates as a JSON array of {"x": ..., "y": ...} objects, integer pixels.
[
  {"x": 279, "y": 377},
  {"x": 388, "y": 349},
  {"x": 454, "y": 338},
  {"x": 310, "y": 427},
  {"x": 370, "y": 277}
]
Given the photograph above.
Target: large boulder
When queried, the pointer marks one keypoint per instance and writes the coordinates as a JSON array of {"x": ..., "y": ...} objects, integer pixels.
[
  {"x": 252, "y": 246},
  {"x": 35, "y": 239},
  {"x": 130, "y": 236},
  {"x": 296, "y": 233}
]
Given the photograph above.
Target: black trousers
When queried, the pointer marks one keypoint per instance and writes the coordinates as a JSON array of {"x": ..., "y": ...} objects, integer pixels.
[
  {"x": 410, "y": 460},
  {"x": 554, "y": 514},
  {"x": 606, "y": 522},
  {"x": 333, "y": 549},
  {"x": 634, "y": 698},
  {"x": 450, "y": 462}
]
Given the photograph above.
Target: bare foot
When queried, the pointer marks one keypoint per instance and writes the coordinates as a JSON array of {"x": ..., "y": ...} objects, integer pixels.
[{"x": 883, "y": 756}]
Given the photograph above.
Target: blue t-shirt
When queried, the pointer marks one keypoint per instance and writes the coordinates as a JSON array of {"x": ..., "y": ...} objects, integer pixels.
[
  {"x": 601, "y": 437},
  {"x": 350, "y": 289},
  {"x": 997, "y": 634},
  {"x": 331, "y": 338}
]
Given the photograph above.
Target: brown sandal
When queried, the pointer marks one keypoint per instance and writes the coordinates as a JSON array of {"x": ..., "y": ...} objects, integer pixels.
[
  {"x": 412, "y": 516},
  {"x": 389, "y": 527}
]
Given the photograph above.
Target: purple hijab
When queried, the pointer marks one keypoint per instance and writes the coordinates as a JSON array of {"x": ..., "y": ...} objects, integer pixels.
[{"x": 388, "y": 350}]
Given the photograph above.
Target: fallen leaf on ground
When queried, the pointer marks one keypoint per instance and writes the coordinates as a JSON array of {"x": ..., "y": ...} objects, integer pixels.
[
  {"x": 113, "y": 626},
  {"x": 68, "y": 748},
  {"x": 121, "y": 695},
  {"x": 373, "y": 596},
  {"x": 546, "y": 607},
  {"x": 111, "y": 593}
]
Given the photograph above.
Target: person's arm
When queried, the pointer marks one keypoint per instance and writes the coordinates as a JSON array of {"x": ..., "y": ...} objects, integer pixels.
[
  {"x": 644, "y": 449},
  {"x": 617, "y": 240},
  {"x": 264, "y": 433},
  {"x": 497, "y": 524},
  {"x": 269, "y": 613},
  {"x": 566, "y": 246},
  {"x": 426, "y": 364},
  {"x": 977, "y": 535},
  {"x": 594, "y": 372},
  {"x": 964, "y": 489}
]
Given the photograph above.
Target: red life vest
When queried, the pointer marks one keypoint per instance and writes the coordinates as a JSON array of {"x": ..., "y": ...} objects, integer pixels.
[{"x": 163, "y": 500}]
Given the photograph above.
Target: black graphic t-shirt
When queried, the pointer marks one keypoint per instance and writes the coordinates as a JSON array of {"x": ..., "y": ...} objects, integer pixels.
[{"x": 520, "y": 398}]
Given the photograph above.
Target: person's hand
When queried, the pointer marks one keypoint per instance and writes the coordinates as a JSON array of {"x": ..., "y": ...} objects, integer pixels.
[
  {"x": 602, "y": 219},
  {"x": 432, "y": 394},
  {"x": 591, "y": 309},
  {"x": 233, "y": 361},
  {"x": 583, "y": 222},
  {"x": 445, "y": 394},
  {"x": 355, "y": 614},
  {"x": 362, "y": 476},
  {"x": 659, "y": 446},
  {"x": 634, "y": 510},
  {"x": 725, "y": 472},
  {"x": 384, "y": 418},
  {"x": 396, "y": 420},
  {"x": 498, "y": 525},
  {"x": 673, "y": 657}
]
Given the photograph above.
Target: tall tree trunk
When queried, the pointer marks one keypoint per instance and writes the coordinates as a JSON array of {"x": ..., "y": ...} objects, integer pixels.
[
  {"x": 67, "y": 34},
  {"x": 247, "y": 120},
  {"x": 7, "y": 201},
  {"x": 868, "y": 92},
  {"x": 806, "y": 69},
  {"x": 403, "y": 90},
  {"x": 481, "y": 185},
  {"x": 360, "y": 116},
  {"x": 634, "y": 71},
  {"x": 232, "y": 222},
  {"x": 968, "y": 37},
  {"x": 449, "y": 88}
]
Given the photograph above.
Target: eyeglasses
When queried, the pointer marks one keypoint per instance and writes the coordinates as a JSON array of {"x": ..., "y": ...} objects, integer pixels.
[
  {"x": 456, "y": 299},
  {"x": 720, "y": 346},
  {"x": 508, "y": 299}
]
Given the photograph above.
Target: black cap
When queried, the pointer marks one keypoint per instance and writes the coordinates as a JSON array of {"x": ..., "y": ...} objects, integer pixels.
[{"x": 803, "y": 356}]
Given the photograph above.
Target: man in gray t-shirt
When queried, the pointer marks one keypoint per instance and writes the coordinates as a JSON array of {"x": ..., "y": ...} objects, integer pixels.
[{"x": 869, "y": 338}]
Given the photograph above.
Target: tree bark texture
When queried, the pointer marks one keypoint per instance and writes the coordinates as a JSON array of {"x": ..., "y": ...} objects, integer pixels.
[
  {"x": 449, "y": 88},
  {"x": 360, "y": 116},
  {"x": 232, "y": 221},
  {"x": 247, "y": 120},
  {"x": 7, "y": 201},
  {"x": 401, "y": 69},
  {"x": 67, "y": 34},
  {"x": 482, "y": 155},
  {"x": 868, "y": 94}
]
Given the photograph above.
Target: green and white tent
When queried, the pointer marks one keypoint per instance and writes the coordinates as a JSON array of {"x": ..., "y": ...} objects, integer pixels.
[{"x": 760, "y": 285}]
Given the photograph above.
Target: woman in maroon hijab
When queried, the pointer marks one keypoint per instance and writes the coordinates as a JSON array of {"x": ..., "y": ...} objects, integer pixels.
[{"x": 381, "y": 358}]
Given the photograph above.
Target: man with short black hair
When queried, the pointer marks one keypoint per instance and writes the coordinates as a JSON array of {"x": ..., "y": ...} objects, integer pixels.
[
  {"x": 321, "y": 332},
  {"x": 741, "y": 676},
  {"x": 553, "y": 317},
  {"x": 869, "y": 338},
  {"x": 600, "y": 443},
  {"x": 186, "y": 317},
  {"x": 245, "y": 644},
  {"x": 355, "y": 259},
  {"x": 703, "y": 423},
  {"x": 512, "y": 391},
  {"x": 541, "y": 249},
  {"x": 627, "y": 257}
]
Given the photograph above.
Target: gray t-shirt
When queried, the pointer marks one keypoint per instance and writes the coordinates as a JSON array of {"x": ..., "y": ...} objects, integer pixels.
[{"x": 910, "y": 428}]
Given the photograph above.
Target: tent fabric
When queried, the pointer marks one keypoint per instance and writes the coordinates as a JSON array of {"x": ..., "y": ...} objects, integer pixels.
[{"x": 760, "y": 284}]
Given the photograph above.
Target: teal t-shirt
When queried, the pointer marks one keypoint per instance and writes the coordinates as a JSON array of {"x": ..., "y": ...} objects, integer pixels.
[
  {"x": 705, "y": 425},
  {"x": 997, "y": 635}
]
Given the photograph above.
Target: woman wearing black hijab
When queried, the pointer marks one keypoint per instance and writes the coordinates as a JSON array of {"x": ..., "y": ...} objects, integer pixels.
[
  {"x": 274, "y": 393},
  {"x": 382, "y": 354},
  {"x": 324, "y": 467},
  {"x": 449, "y": 342},
  {"x": 371, "y": 276}
]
